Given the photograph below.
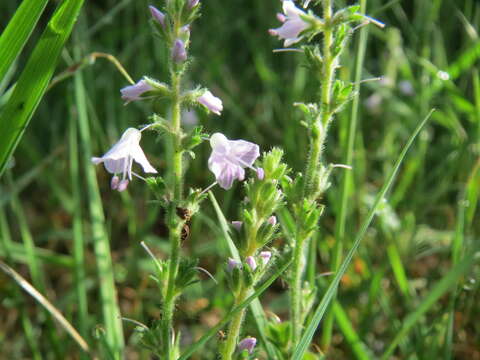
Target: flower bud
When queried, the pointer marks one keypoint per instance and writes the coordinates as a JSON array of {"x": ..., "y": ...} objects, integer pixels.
[
  {"x": 247, "y": 344},
  {"x": 265, "y": 256},
  {"x": 233, "y": 264},
  {"x": 237, "y": 225},
  {"x": 192, "y": 4},
  {"x": 134, "y": 92},
  {"x": 250, "y": 260},
  {"x": 272, "y": 220},
  {"x": 212, "y": 103},
  {"x": 179, "y": 53},
  {"x": 157, "y": 15}
]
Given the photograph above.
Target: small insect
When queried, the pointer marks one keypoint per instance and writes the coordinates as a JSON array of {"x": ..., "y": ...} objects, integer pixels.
[
  {"x": 221, "y": 335},
  {"x": 184, "y": 214}
]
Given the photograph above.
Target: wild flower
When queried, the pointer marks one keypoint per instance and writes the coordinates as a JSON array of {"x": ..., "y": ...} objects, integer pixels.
[
  {"x": 247, "y": 344},
  {"x": 135, "y": 92},
  {"x": 272, "y": 220},
  {"x": 233, "y": 264},
  {"x": 119, "y": 159},
  {"x": 293, "y": 24},
  {"x": 229, "y": 158},
  {"x": 212, "y": 103},
  {"x": 237, "y": 225}
]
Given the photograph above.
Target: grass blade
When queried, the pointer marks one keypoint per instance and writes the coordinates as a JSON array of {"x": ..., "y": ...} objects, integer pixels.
[
  {"x": 108, "y": 297},
  {"x": 46, "y": 304},
  {"x": 322, "y": 307},
  {"x": 256, "y": 306},
  {"x": 35, "y": 78},
  {"x": 213, "y": 331},
  {"x": 18, "y": 31},
  {"x": 442, "y": 286}
]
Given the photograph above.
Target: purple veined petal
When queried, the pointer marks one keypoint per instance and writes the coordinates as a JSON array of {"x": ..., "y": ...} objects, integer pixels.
[
  {"x": 247, "y": 344},
  {"x": 139, "y": 156},
  {"x": 250, "y": 260},
  {"x": 246, "y": 151},
  {"x": 157, "y": 15},
  {"x": 212, "y": 103},
  {"x": 230, "y": 173},
  {"x": 116, "y": 166},
  {"x": 291, "y": 29},
  {"x": 179, "y": 53},
  {"x": 122, "y": 185},
  {"x": 134, "y": 92}
]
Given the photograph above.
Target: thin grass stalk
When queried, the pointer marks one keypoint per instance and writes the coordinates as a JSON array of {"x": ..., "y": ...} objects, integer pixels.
[
  {"x": 108, "y": 297},
  {"x": 347, "y": 176},
  {"x": 78, "y": 239}
]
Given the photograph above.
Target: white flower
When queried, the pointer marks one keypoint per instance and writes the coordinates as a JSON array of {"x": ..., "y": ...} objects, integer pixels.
[
  {"x": 292, "y": 26},
  {"x": 119, "y": 159},
  {"x": 230, "y": 157},
  {"x": 212, "y": 103}
]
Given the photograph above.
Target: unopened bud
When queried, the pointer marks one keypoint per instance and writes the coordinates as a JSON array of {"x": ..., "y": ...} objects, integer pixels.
[
  {"x": 179, "y": 53},
  {"x": 250, "y": 260},
  {"x": 247, "y": 344},
  {"x": 122, "y": 185}
]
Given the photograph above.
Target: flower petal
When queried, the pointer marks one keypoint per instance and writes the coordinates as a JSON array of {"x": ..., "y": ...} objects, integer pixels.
[
  {"x": 246, "y": 151},
  {"x": 139, "y": 156}
]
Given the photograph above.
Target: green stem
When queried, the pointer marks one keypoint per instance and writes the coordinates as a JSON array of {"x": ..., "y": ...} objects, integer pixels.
[
  {"x": 317, "y": 139},
  {"x": 235, "y": 326},
  {"x": 348, "y": 159},
  {"x": 174, "y": 223}
]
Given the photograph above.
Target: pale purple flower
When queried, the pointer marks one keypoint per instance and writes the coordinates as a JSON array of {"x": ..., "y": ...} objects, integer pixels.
[
  {"x": 265, "y": 256},
  {"x": 406, "y": 88},
  {"x": 260, "y": 173},
  {"x": 229, "y": 158},
  {"x": 157, "y": 15},
  {"x": 250, "y": 260},
  {"x": 192, "y": 4},
  {"x": 179, "y": 53},
  {"x": 272, "y": 220},
  {"x": 293, "y": 24},
  {"x": 119, "y": 159},
  {"x": 212, "y": 103},
  {"x": 237, "y": 225},
  {"x": 135, "y": 92},
  {"x": 247, "y": 344},
  {"x": 233, "y": 264}
]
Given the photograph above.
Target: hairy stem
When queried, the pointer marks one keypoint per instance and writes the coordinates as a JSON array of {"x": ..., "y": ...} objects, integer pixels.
[
  {"x": 235, "y": 326},
  {"x": 317, "y": 138},
  {"x": 174, "y": 223}
]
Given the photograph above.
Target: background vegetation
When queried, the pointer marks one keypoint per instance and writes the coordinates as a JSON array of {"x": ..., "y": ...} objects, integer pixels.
[{"x": 428, "y": 57}]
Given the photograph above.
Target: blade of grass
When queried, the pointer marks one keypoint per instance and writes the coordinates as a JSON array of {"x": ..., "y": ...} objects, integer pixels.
[
  {"x": 213, "y": 331},
  {"x": 439, "y": 289},
  {"x": 18, "y": 31},
  {"x": 46, "y": 304},
  {"x": 359, "y": 349},
  {"x": 35, "y": 77},
  {"x": 327, "y": 298},
  {"x": 256, "y": 306},
  {"x": 108, "y": 298},
  {"x": 78, "y": 239}
]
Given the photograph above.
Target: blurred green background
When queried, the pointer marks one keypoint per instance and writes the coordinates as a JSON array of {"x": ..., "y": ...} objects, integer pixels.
[{"x": 428, "y": 56}]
